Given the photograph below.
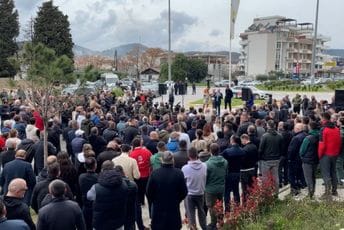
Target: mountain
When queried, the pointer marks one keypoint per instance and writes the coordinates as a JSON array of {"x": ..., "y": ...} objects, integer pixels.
[
  {"x": 121, "y": 50},
  {"x": 335, "y": 52},
  {"x": 82, "y": 51},
  {"x": 124, "y": 49}
]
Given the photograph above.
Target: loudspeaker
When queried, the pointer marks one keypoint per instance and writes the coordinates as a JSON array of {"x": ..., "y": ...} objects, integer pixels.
[
  {"x": 246, "y": 94},
  {"x": 162, "y": 89},
  {"x": 339, "y": 98}
]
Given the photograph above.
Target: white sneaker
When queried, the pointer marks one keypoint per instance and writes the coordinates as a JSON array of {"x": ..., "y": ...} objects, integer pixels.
[{"x": 342, "y": 180}]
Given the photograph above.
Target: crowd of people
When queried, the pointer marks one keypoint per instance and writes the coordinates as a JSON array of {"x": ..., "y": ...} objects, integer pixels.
[{"x": 109, "y": 158}]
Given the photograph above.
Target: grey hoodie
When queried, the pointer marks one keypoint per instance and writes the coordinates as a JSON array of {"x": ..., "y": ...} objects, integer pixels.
[{"x": 195, "y": 173}]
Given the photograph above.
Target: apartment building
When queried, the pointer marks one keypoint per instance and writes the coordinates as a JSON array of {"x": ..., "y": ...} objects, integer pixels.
[{"x": 278, "y": 43}]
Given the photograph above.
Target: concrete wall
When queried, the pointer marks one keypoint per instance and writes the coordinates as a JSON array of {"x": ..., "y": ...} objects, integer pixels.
[{"x": 261, "y": 53}]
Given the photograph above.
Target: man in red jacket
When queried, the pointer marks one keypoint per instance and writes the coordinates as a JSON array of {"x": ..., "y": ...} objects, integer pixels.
[
  {"x": 142, "y": 157},
  {"x": 329, "y": 148}
]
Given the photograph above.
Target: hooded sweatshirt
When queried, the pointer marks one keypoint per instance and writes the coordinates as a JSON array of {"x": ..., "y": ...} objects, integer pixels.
[
  {"x": 195, "y": 173},
  {"x": 216, "y": 174},
  {"x": 17, "y": 209}
]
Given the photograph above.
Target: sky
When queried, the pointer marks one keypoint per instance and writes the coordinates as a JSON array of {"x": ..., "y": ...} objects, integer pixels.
[{"x": 197, "y": 25}]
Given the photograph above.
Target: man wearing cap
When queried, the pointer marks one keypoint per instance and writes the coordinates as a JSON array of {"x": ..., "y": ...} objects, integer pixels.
[{"x": 166, "y": 188}]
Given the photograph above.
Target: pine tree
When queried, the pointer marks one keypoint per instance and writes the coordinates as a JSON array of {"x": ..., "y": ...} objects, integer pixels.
[
  {"x": 52, "y": 28},
  {"x": 9, "y": 30}
]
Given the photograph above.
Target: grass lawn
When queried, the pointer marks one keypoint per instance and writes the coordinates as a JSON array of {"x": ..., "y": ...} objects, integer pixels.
[
  {"x": 305, "y": 214},
  {"x": 235, "y": 102}
]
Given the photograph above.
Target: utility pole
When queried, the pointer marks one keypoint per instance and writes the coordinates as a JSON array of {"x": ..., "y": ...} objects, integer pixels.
[
  {"x": 169, "y": 44},
  {"x": 314, "y": 43}
]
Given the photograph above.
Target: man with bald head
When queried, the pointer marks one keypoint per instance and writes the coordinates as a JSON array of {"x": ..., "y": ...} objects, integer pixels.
[
  {"x": 44, "y": 173},
  {"x": 19, "y": 168},
  {"x": 296, "y": 177},
  {"x": 16, "y": 208}
]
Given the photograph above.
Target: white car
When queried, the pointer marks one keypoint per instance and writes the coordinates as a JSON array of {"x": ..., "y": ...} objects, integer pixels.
[
  {"x": 258, "y": 94},
  {"x": 222, "y": 83}
]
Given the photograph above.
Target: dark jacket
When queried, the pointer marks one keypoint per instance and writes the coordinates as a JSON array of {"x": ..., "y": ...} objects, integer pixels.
[
  {"x": 109, "y": 207},
  {"x": 60, "y": 213},
  {"x": 286, "y": 136},
  {"x": 54, "y": 138},
  {"x": 250, "y": 158},
  {"x": 98, "y": 143},
  {"x": 17, "y": 209},
  {"x": 270, "y": 146},
  {"x": 243, "y": 128},
  {"x": 129, "y": 134},
  {"x": 86, "y": 181},
  {"x": 109, "y": 134},
  {"x": 131, "y": 203},
  {"x": 18, "y": 168},
  {"x": 180, "y": 158},
  {"x": 13, "y": 224},
  {"x": 27, "y": 145},
  {"x": 234, "y": 156},
  {"x": 166, "y": 188},
  {"x": 294, "y": 146},
  {"x": 40, "y": 192},
  {"x": 77, "y": 144},
  {"x": 192, "y": 134},
  {"x": 309, "y": 148},
  {"x": 39, "y": 154},
  {"x": 7, "y": 156},
  {"x": 20, "y": 127},
  {"x": 151, "y": 146},
  {"x": 108, "y": 154}
]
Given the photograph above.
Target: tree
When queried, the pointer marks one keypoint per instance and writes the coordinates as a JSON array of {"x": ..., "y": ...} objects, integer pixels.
[
  {"x": 182, "y": 68},
  {"x": 150, "y": 56},
  {"x": 9, "y": 30},
  {"x": 198, "y": 70},
  {"x": 45, "y": 69},
  {"x": 52, "y": 29}
]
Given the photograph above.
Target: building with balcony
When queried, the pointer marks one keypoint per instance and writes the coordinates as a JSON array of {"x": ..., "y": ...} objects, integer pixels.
[{"x": 280, "y": 44}]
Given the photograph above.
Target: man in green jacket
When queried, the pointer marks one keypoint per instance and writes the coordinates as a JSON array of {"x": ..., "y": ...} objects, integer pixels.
[
  {"x": 155, "y": 159},
  {"x": 309, "y": 156},
  {"x": 215, "y": 184}
]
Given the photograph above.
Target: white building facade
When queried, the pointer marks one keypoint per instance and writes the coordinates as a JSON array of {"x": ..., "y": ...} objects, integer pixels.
[{"x": 280, "y": 44}]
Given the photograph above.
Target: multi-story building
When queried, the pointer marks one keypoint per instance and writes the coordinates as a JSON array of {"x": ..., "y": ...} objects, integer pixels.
[{"x": 280, "y": 44}]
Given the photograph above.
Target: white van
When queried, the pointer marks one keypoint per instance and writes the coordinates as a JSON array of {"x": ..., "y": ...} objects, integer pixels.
[{"x": 109, "y": 79}]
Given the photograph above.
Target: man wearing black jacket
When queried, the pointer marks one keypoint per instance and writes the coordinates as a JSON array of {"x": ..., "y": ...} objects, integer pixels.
[
  {"x": 15, "y": 207},
  {"x": 249, "y": 165},
  {"x": 60, "y": 213},
  {"x": 234, "y": 156},
  {"x": 270, "y": 153},
  {"x": 86, "y": 181},
  {"x": 283, "y": 130}
]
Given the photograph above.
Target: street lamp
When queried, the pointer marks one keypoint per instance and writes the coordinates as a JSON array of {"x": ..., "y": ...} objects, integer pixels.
[{"x": 314, "y": 43}]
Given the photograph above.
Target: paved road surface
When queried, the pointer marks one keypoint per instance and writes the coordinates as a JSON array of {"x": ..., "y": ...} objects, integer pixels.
[{"x": 275, "y": 94}]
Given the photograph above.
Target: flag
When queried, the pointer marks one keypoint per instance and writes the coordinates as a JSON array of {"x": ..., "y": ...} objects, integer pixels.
[{"x": 234, "y": 12}]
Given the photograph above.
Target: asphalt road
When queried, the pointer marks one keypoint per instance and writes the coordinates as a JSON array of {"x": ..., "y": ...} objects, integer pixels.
[{"x": 186, "y": 99}]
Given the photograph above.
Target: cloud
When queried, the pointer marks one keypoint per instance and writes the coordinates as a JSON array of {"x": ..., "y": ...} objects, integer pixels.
[{"x": 215, "y": 33}]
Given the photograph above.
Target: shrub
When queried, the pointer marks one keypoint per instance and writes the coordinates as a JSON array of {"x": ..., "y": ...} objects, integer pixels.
[{"x": 260, "y": 198}]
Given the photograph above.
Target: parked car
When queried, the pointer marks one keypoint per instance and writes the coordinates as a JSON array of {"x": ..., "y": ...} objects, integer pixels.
[
  {"x": 258, "y": 94},
  {"x": 222, "y": 83},
  {"x": 152, "y": 88}
]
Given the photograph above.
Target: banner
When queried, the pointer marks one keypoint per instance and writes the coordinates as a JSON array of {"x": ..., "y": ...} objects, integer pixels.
[{"x": 234, "y": 12}]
